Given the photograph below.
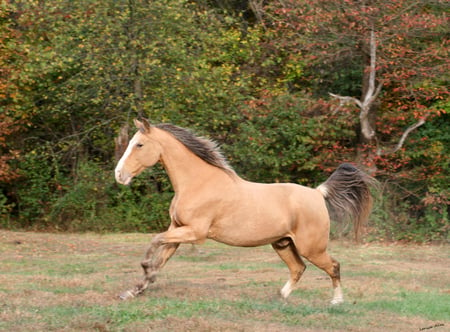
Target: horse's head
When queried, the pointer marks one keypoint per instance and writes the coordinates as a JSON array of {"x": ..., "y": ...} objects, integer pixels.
[{"x": 143, "y": 151}]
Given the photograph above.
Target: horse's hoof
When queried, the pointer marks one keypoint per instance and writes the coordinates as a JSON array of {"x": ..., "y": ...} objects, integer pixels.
[{"x": 126, "y": 295}]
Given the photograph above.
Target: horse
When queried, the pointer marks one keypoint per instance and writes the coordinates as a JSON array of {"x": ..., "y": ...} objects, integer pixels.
[{"x": 212, "y": 202}]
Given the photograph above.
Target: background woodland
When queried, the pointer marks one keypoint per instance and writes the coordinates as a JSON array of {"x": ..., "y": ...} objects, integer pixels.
[{"x": 289, "y": 88}]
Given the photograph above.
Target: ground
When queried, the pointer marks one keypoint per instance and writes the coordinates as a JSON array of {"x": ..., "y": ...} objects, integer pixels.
[{"x": 71, "y": 282}]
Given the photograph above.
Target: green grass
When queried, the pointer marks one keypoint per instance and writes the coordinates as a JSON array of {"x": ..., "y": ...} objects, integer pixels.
[
  {"x": 55, "y": 282},
  {"x": 122, "y": 314},
  {"x": 431, "y": 305}
]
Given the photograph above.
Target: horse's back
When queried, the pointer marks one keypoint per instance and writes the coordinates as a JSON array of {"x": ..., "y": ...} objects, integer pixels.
[
  {"x": 303, "y": 204},
  {"x": 287, "y": 195}
]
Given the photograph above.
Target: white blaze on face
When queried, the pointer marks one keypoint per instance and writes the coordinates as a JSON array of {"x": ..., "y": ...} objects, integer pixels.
[{"x": 122, "y": 176}]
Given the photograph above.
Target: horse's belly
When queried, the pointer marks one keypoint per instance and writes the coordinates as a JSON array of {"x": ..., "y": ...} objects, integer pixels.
[
  {"x": 243, "y": 239},
  {"x": 249, "y": 230}
]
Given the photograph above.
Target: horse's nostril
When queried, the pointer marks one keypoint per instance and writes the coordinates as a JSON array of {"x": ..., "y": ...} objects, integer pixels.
[{"x": 118, "y": 175}]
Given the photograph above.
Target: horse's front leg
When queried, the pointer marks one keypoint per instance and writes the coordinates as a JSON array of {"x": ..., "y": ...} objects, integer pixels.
[
  {"x": 162, "y": 247},
  {"x": 157, "y": 255}
]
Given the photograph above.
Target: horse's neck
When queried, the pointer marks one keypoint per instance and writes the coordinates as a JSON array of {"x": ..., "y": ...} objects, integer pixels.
[{"x": 184, "y": 168}]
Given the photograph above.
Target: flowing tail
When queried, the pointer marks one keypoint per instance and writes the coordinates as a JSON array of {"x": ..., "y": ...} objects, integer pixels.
[{"x": 347, "y": 194}]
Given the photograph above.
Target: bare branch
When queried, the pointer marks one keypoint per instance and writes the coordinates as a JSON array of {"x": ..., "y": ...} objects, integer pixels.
[
  {"x": 378, "y": 90},
  {"x": 404, "y": 136},
  {"x": 346, "y": 100}
]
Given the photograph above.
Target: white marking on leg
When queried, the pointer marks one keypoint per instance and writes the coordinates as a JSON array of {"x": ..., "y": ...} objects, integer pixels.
[
  {"x": 127, "y": 295},
  {"x": 338, "y": 296},
  {"x": 287, "y": 289}
]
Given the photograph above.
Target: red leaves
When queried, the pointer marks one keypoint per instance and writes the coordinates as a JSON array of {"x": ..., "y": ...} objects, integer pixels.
[
  {"x": 8, "y": 94},
  {"x": 7, "y": 127}
]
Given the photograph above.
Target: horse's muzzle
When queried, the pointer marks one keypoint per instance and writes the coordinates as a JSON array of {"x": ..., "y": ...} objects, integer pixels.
[{"x": 123, "y": 177}]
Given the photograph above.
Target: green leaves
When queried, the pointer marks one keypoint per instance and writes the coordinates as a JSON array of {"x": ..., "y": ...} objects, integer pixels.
[{"x": 73, "y": 72}]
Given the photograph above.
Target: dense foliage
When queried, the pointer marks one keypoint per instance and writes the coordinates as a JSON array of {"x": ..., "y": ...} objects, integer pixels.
[{"x": 255, "y": 76}]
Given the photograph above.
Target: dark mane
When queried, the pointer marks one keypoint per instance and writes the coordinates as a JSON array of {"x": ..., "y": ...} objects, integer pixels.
[{"x": 203, "y": 148}]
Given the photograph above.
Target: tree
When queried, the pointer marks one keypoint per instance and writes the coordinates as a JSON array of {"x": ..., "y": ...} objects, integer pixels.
[
  {"x": 399, "y": 48},
  {"x": 88, "y": 69},
  {"x": 254, "y": 75},
  {"x": 9, "y": 94},
  {"x": 387, "y": 63}
]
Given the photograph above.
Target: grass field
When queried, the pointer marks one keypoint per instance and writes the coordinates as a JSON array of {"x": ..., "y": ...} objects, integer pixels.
[{"x": 70, "y": 282}]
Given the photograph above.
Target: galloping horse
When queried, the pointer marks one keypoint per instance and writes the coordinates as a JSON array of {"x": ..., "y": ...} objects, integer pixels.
[{"x": 212, "y": 202}]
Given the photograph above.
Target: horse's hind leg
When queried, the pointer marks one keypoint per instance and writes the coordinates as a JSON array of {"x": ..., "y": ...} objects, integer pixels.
[
  {"x": 332, "y": 268},
  {"x": 285, "y": 248}
]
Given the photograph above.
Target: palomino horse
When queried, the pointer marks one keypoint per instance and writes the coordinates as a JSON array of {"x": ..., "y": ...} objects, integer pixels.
[{"x": 212, "y": 202}]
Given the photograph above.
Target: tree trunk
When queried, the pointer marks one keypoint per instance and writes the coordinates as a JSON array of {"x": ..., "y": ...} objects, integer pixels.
[
  {"x": 121, "y": 142},
  {"x": 370, "y": 93}
]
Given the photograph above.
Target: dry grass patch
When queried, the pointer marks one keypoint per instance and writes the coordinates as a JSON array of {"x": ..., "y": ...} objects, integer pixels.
[{"x": 70, "y": 282}]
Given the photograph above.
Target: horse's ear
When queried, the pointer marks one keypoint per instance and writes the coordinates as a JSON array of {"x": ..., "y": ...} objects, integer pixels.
[{"x": 143, "y": 125}]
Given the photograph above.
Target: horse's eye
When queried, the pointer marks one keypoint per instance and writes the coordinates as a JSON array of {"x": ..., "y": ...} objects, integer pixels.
[{"x": 139, "y": 145}]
